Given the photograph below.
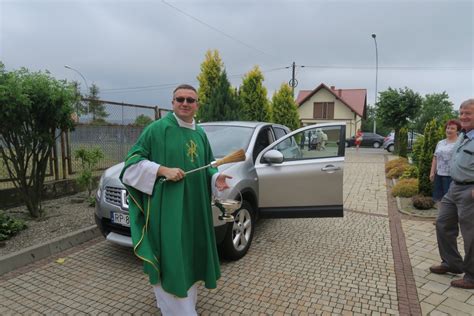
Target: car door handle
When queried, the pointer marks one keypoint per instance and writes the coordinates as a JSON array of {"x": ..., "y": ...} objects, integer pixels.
[{"x": 330, "y": 168}]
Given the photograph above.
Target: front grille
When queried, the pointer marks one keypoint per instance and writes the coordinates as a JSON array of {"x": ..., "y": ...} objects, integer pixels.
[{"x": 116, "y": 196}]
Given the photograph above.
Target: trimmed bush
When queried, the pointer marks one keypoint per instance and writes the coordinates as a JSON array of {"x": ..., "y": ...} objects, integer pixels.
[
  {"x": 422, "y": 202},
  {"x": 410, "y": 172},
  {"x": 397, "y": 171},
  {"x": 405, "y": 188},
  {"x": 394, "y": 163}
]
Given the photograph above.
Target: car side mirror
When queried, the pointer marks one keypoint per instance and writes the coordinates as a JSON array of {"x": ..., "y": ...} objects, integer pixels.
[{"x": 273, "y": 156}]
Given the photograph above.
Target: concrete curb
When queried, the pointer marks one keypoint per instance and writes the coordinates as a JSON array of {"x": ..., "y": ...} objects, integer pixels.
[
  {"x": 34, "y": 253},
  {"x": 401, "y": 210}
]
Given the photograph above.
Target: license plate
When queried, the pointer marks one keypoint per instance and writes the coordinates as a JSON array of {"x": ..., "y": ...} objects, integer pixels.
[{"x": 121, "y": 219}]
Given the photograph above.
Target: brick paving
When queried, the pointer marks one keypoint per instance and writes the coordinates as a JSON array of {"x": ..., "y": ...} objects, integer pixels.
[{"x": 342, "y": 266}]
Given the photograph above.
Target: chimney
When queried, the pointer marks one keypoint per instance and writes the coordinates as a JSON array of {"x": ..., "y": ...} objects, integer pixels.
[
  {"x": 333, "y": 87},
  {"x": 339, "y": 92}
]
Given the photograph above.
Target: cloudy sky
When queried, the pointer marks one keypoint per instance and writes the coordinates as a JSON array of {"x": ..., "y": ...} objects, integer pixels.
[{"x": 137, "y": 51}]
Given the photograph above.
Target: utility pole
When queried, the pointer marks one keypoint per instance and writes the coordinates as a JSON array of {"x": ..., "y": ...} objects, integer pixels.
[{"x": 293, "y": 83}]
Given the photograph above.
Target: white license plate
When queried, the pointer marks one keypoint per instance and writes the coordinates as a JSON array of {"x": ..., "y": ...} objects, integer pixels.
[{"x": 121, "y": 219}]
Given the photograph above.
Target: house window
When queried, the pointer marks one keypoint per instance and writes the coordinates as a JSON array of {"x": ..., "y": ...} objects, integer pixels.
[{"x": 323, "y": 110}]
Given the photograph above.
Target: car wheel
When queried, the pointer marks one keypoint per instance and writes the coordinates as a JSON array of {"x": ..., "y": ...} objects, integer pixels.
[
  {"x": 390, "y": 148},
  {"x": 376, "y": 145},
  {"x": 238, "y": 238}
]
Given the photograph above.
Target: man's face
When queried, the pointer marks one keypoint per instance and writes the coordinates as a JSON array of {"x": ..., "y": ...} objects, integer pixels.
[
  {"x": 185, "y": 104},
  {"x": 466, "y": 116}
]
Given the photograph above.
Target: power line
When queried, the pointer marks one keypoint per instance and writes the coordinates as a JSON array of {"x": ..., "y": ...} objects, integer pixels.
[
  {"x": 215, "y": 29},
  {"x": 391, "y": 67},
  {"x": 165, "y": 86}
]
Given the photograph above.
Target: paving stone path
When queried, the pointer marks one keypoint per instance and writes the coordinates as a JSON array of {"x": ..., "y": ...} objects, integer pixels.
[{"x": 342, "y": 266}]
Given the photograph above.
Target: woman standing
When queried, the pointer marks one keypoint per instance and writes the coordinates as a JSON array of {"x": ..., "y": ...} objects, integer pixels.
[{"x": 441, "y": 158}]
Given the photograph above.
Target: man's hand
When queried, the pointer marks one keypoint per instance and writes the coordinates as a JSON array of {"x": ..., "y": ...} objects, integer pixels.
[
  {"x": 171, "y": 174},
  {"x": 221, "y": 183}
]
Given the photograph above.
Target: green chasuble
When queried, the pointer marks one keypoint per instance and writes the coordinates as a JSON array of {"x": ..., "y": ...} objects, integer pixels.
[{"x": 172, "y": 230}]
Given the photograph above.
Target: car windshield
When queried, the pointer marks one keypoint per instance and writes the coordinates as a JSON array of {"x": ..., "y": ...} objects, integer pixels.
[{"x": 225, "y": 139}]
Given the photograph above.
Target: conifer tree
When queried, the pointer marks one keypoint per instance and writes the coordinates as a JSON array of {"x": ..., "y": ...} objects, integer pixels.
[
  {"x": 96, "y": 108},
  {"x": 403, "y": 134},
  {"x": 222, "y": 104},
  {"x": 211, "y": 71},
  {"x": 253, "y": 97},
  {"x": 284, "y": 108},
  {"x": 431, "y": 138}
]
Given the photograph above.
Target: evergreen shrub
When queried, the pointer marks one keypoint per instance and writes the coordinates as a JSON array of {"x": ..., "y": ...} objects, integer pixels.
[
  {"x": 9, "y": 226},
  {"x": 424, "y": 164},
  {"x": 405, "y": 188},
  {"x": 403, "y": 144},
  {"x": 410, "y": 172},
  {"x": 394, "y": 163},
  {"x": 422, "y": 202},
  {"x": 417, "y": 149}
]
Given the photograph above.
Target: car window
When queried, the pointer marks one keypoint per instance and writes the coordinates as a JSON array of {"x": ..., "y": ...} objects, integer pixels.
[
  {"x": 264, "y": 138},
  {"x": 319, "y": 142},
  {"x": 279, "y": 132},
  {"x": 225, "y": 139}
]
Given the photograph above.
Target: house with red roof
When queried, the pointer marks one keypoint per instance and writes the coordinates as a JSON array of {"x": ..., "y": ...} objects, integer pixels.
[{"x": 328, "y": 104}]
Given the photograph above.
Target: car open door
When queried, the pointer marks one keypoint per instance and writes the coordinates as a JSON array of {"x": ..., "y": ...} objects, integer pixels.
[{"x": 301, "y": 174}]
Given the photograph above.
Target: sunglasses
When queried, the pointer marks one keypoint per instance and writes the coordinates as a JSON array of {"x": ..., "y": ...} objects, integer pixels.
[{"x": 188, "y": 100}]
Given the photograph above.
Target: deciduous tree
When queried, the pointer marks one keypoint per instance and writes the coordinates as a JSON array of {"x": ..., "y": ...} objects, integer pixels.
[
  {"x": 436, "y": 105},
  {"x": 33, "y": 105},
  {"x": 142, "y": 120},
  {"x": 396, "y": 107}
]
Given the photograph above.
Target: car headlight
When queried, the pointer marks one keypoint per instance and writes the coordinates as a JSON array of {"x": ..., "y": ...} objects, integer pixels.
[{"x": 99, "y": 188}]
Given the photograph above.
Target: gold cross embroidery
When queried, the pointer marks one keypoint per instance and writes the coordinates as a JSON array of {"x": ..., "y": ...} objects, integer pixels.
[{"x": 192, "y": 150}]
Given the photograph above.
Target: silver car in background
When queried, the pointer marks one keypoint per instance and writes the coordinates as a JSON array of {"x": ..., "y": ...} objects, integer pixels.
[{"x": 281, "y": 177}]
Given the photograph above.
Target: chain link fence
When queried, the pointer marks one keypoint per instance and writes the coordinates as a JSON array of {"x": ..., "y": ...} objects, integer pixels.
[{"x": 114, "y": 134}]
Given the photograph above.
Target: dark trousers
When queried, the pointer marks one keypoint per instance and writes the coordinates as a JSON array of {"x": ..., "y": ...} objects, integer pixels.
[{"x": 456, "y": 212}]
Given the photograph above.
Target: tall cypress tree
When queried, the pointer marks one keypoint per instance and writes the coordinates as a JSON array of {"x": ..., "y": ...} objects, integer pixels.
[
  {"x": 222, "y": 104},
  {"x": 211, "y": 71},
  {"x": 253, "y": 97},
  {"x": 431, "y": 138},
  {"x": 284, "y": 108}
]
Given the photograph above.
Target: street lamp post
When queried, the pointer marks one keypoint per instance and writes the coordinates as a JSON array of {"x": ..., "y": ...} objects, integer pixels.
[
  {"x": 85, "y": 81},
  {"x": 374, "y": 36}
]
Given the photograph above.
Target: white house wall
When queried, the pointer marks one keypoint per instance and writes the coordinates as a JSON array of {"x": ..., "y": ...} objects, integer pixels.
[{"x": 341, "y": 112}]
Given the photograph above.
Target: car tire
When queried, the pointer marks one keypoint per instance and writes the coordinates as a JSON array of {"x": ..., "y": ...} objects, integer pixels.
[
  {"x": 390, "y": 148},
  {"x": 376, "y": 145},
  {"x": 239, "y": 236}
]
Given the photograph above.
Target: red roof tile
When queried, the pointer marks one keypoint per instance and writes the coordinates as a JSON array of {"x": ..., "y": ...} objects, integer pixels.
[{"x": 355, "y": 99}]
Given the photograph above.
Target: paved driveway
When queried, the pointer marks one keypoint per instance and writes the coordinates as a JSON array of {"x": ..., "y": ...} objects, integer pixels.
[{"x": 295, "y": 266}]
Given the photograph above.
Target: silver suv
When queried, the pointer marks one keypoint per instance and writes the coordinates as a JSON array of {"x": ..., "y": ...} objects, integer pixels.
[{"x": 279, "y": 178}]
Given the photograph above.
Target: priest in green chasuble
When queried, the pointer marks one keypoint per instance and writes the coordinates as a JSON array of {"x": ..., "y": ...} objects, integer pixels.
[{"x": 171, "y": 222}]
